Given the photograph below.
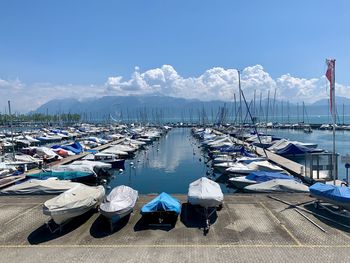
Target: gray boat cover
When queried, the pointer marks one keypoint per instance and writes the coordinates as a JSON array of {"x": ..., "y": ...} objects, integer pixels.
[
  {"x": 81, "y": 166},
  {"x": 39, "y": 187},
  {"x": 121, "y": 198},
  {"x": 93, "y": 164},
  {"x": 205, "y": 192},
  {"x": 80, "y": 196},
  {"x": 278, "y": 185}
]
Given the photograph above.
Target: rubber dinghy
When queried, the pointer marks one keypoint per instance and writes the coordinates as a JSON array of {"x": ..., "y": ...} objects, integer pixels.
[
  {"x": 73, "y": 203},
  {"x": 333, "y": 194},
  {"x": 279, "y": 186},
  {"x": 257, "y": 177},
  {"x": 119, "y": 202}
]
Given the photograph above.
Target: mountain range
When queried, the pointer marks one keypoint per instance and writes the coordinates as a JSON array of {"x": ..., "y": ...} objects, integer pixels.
[{"x": 133, "y": 107}]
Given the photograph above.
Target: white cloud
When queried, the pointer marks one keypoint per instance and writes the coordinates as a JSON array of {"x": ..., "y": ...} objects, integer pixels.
[
  {"x": 221, "y": 84},
  {"x": 214, "y": 84}
]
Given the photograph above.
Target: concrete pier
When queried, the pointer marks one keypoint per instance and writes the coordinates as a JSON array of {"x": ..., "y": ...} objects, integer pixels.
[{"x": 249, "y": 228}]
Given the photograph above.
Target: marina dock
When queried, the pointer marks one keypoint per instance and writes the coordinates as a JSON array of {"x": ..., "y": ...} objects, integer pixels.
[
  {"x": 249, "y": 228},
  {"x": 73, "y": 158}
]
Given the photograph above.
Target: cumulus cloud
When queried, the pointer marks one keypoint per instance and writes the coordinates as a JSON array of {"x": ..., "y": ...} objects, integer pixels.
[
  {"x": 214, "y": 84},
  {"x": 221, "y": 84}
]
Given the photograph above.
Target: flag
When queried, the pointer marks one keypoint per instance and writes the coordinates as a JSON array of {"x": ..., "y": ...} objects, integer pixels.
[{"x": 330, "y": 77}]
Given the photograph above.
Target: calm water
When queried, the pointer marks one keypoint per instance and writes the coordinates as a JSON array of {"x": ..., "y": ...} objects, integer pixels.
[
  {"x": 324, "y": 139},
  {"x": 168, "y": 165}
]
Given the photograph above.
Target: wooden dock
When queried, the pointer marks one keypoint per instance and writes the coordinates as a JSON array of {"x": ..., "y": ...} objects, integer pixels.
[
  {"x": 292, "y": 167},
  {"x": 73, "y": 158},
  {"x": 289, "y": 165}
]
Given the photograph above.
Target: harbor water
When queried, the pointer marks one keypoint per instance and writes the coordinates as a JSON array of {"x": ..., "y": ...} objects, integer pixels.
[{"x": 168, "y": 165}]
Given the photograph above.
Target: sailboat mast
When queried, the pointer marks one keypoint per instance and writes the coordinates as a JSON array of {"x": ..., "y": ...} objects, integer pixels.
[
  {"x": 268, "y": 105},
  {"x": 240, "y": 97},
  {"x": 11, "y": 123}
]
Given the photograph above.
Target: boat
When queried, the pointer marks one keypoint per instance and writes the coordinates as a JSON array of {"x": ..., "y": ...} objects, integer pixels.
[
  {"x": 75, "y": 148},
  {"x": 50, "y": 186},
  {"x": 297, "y": 149},
  {"x": 277, "y": 186},
  {"x": 164, "y": 205},
  {"x": 206, "y": 194},
  {"x": 78, "y": 170},
  {"x": 64, "y": 175},
  {"x": 257, "y": 177},
  {"x": 73, "y": 202},
  {"x": 333, "y": 194},
  {"x": 118, "y": 203},
  {"x": 241, "y": 168},
  {"x": 109, "y": 158},
  {"x": 244, "y": 160}
]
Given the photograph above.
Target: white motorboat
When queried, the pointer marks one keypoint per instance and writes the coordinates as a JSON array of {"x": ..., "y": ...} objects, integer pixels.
[
  {"x": 278, "y": 185},
  {"x": 119, "y": 202},
  {"x": 74, "y": 202},
  {"x": 223, "y": 166},
  {"x": 257, "y": 177},
  {"x": 205, "y": 192},
  {"x": 50, "y": 186},
  {"x": 241, "y": 168}
]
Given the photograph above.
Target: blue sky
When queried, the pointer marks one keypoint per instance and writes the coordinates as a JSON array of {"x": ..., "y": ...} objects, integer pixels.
[{"x": 86, "y": 42}]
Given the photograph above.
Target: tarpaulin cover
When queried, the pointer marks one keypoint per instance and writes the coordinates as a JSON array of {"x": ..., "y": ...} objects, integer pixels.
[
  {"x": 295, "y": 149},
  {"x": 62, "y": 175},
  {"x": 333, "y": 192},
  {"x": 80, "y": 196},
  {"x": 205, "y": 192},
  {"x": 74, "y": 147},
  {"x": 263, "y": 176},
  {"x": 278, "y": 185},
  {"x": 162, "y": 202},
  {"x": 39, "y": 187},
  {"x": 120, "y": 198}
]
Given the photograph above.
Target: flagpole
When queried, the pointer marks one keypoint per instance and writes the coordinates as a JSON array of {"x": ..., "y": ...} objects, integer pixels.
[
  {"x": 334, "y": 121},
  {"x": 334, "y": 172},
  {"x": 330, "y": 74}
]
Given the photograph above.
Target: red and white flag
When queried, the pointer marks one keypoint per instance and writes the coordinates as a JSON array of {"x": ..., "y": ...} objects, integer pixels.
[{"x": 330, "y": 77}]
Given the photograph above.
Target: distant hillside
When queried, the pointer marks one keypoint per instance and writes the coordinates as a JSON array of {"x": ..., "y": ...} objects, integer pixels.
[{"x": 163, "y": 107}]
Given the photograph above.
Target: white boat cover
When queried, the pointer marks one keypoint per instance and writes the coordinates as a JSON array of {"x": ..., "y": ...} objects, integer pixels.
[
  {"x": 79, "y": 197},
  {"x": 278, "y": 185},
  {"x": 255, "y": 166},
  {"x": 205, "y": 192},
  {"x": 115, "y": 150},
  {"x": 39, "y": 187},
  {"x": 94, "y": 164},
  {"x": 81, "y": 166},
  {"x": 121, "y": 198}
]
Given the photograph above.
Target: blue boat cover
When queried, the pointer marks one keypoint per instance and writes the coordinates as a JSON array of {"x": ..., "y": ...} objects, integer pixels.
[
  {"x": 333, "y": 192},
  {"x": 74, "y": 147},
  {"x": 65, "y": 175},
  {"x": 262, "y": 176},
  {"x": 162, "y": 202},
  {"x": 296, "y": 149},
  {"x": 229, "y": 148}
]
